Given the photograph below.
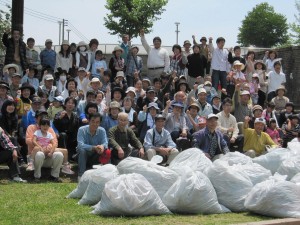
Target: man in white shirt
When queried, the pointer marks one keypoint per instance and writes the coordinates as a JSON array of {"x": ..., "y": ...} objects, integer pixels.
[
  {"x": 158, "y": 58},
  {"x": 228, "y": 126},
  {"x": 275, "y": 79},
  {"x": 219, "y": 63}
]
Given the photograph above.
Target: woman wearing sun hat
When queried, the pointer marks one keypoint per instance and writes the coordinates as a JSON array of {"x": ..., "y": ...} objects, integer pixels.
[
  {"x": 83, "y": 58},
  {"x": 116, "y": 62}
]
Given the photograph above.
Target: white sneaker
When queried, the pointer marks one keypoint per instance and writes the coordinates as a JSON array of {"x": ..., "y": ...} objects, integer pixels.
[
  {"x": 30, "y": 167},
  {"x": 19, "y": 180},
  {"x": 67, "y": 169}
]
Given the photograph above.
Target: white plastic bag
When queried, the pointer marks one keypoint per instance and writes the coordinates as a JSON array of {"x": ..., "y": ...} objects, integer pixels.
[
  {"x": 296, "y": 179},
  {"x": 273, "y": 159},
  {"x": 255, "y": 172},
  {"x": 193, "y": 158},
  {"x": 84, "y": 181},
  {"x": 161, "y": 178},
  {"x": 290, "y": 167},
  {"x": 193, "y": 193},
  {"x": 276, "y": 198},
  {"x": 130, "y": 195},
  {"x": 231, "y": 184},
  {"x": 94, "y": 190},
  {"x": 236, "y": 158},
  {"x": 295, "y": 146}
]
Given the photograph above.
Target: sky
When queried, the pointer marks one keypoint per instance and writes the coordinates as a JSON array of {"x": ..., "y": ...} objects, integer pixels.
[{"x": 211, "y": 18}]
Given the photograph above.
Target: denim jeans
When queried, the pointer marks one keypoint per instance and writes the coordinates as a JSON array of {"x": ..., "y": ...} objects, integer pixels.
[
  {"x": 86, "y": 159},
  {"x": 219, "y": 76}
]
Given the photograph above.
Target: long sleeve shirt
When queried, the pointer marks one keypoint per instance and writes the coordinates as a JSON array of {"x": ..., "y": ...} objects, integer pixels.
[
  {"x": 160, "y": 139},
  {"x": 219, "y": 58},
  {"x": 225, "y": 122},
  {"x": 87, "y": 141},
  {"x": 156, "y": 57},
  {"x": 256, "y": 142},
  {"x": 275, "y": 80},
  {"x": 5, "y": 142},
  {"x": 118, "y": 138},
  {"x": 170, "y": 122},
  {"x": 65, "y": 63},
  {"x": 48, "y": 58}
]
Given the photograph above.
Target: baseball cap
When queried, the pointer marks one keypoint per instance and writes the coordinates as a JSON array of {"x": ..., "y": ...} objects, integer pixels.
[
  {"x": 49, "y": 77},
  {"x": 210, "y": 116},
  {"x": 150, "y": 89},
  {"x": 260, "y": 120}
]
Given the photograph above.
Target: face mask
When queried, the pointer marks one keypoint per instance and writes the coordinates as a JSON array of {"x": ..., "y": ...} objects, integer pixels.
[
  {"x": 82, "y": 48},
  {"x": 63, "y": 78},
  {"x": 207, "y": 88}
]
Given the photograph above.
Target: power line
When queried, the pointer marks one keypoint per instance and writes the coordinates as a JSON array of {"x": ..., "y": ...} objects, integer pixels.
[{"x": 75, "y": 29}]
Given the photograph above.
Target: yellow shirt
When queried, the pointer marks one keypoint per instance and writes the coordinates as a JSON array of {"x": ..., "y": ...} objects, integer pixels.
[{"x": 256, "y": 142}]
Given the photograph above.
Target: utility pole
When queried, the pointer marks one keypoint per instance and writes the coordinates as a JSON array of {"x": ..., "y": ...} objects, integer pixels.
[
  {"x": 59, "y": 32},
  {"x": 17, "y": 15},
  {"x": 177, "y": 31},
  {"x": 68, "y": 30},
  {"x": 63, "y": 30}
]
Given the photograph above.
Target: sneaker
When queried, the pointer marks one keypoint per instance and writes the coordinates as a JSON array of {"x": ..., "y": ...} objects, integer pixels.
[
  {"x": 37, "y": 180},
  {"x": 30, "y": 167},
  {"x": 67, "y": 169},
  {"x": 55, "y": 179},
  {"x": 19, "y": 180}
]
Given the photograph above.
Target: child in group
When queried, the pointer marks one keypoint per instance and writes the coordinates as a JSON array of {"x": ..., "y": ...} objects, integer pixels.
[
  {"x": 99, "y": 65},
  {"x": 237, "y": 55},
  {"x": 254, "y": 88},
  {"x": 273, "y": 132},
  {"x": 30, "y": 78},
  {"x": 82, "y": 79},
  {"x": 56, "y": 107},
  {"x": 43, "y": 141},
  {"x": 238, "y": 75}
]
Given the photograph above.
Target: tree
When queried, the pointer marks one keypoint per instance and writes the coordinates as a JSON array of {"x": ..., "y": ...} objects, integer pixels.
[
  {"x": 129, "y": 16},
  {"x": 5, "y": 24},
  {"x": 263, "y": 27},
  {"x": 295, "y": 27}
]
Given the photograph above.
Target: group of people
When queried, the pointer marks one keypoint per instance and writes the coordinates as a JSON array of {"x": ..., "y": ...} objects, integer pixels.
[{"x": 76, "y": 106}]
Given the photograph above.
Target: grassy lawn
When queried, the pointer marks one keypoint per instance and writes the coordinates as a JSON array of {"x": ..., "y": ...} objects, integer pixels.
[{"x": 45, "y": 203}]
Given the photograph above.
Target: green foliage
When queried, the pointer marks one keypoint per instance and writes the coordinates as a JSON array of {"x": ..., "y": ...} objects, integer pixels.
[
  {"x": 295, "y": 27},
  {"x": 5, "y": 23},
  {"x": 129, "y": 16},
  {"x": 263, "y": 27}
]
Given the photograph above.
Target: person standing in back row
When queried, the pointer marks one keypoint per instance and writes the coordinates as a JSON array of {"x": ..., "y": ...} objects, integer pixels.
[
  {"x": 158, "y": 57},
  {"x": 219, "y": 63}
]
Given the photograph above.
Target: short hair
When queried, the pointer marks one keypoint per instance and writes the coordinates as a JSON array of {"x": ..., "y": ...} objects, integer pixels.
[
  {"x": 277, "y": 63},
  {"x": 99, "y": 52},
  {"x": 44, "y": 121},
  {"x": 156, "y": 79},
  {"x": 124, "y": 35},
  {"x": 107, "y": 73},
  {"x": 122, "y": 114},
  {"x": 70, "y": 98},
  {"x": 71, "y": 80},
  {"x": 177, "y": 47},
  {"x": 157, "y": 39},
  {"x": 227, "y": 100},
  {"x": 72, "y": 45},
  {"x": 30, "y": 40},
  {"x": 91, "y": 92},
  {"x": 90, "y": 105},
  {"x": 95, "y": 116},
  {"x": 236, "y": 48},
  {"x": 273, "y": 51},
  {"x": 93, "y": 41},
  {"x": 71, "y": 91},
  {"x": 219, "y": 39}
]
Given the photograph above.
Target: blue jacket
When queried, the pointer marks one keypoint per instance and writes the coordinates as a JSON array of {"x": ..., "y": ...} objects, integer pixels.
[{"x": 201, "y": 141}]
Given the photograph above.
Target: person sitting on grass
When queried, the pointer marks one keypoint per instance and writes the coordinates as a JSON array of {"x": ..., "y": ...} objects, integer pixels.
[
  {"x": 9, "y": 155},
  {"x": 123, "y": 141},
  {"x": 255, "y": 140},
  {"x": 159, "y": 141},
  {"x": 92, "y": 142},
  {"x": 210, "y": 140},
  {"x": 59, "y": 157}
]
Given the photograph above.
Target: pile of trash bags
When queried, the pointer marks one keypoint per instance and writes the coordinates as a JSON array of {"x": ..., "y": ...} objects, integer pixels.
[{"x": 192, "y": 184}]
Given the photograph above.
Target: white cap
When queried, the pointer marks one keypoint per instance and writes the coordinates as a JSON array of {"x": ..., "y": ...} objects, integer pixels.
[{"x": 212, "y": 116}]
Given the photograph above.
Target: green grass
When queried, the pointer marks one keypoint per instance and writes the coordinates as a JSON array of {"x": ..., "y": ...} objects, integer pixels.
[{"x": 45, "y": 203}]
